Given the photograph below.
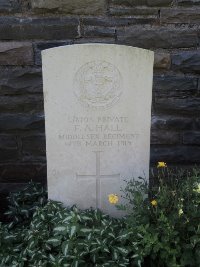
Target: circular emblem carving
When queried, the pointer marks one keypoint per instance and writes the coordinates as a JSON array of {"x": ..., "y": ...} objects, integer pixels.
[{"x": 98, "y": 84}]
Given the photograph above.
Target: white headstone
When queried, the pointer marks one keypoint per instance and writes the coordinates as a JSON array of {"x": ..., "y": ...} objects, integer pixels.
[{"x": 98, "y": 115}]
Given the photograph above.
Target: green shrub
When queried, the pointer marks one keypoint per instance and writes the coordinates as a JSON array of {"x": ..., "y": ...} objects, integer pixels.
[
  {"x": 58, "y": 236},
  {"x": 161, "y": 229},
  {"x": 22, "y": 204},
  {"x": 164, "y": 221}
]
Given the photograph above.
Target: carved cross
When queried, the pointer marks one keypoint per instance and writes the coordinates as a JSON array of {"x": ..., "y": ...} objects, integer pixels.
[{"x": 98, "y": 178}]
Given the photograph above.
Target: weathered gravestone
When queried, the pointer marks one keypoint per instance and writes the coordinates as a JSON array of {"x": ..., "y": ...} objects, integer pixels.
[{"x": 98, "y": 113}]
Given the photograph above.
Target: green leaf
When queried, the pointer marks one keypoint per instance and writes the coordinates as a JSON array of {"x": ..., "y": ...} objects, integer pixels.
[
  {"x": 65, "y": 247},
  {"x": 9, "y": 237},
  {"x": 86, "y": 218},
  {"x": 111, "y": 235},
  {"x": 60, "y": 229},
  {"x": 106, "y": 250},
  {"x": 52, "y": 258},
  {"x": 68, "y": 218},
  {"x": 31, "y": 245},
  {"x": 54, "y": 241},
  {"x": 75, "y": 264},
  {"x": 85, "y": 230},
  {"x": 122, "y": 250},
  {"x": 72, "y": 231},
  {"x": 124, "y": 236}
]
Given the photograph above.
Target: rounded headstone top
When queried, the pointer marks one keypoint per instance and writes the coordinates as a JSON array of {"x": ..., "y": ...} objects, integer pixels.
[{"x": 131, "y": 49}]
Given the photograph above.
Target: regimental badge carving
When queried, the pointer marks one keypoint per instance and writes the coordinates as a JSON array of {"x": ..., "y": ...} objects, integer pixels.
[{"x": 98, "y": 85}]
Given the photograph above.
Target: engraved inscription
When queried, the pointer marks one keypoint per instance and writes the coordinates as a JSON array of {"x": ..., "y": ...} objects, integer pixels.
[
  {"x": 98, "y": 132},
  {"x": 97, "y": 176},
  {"x": 98, "y": 84}
]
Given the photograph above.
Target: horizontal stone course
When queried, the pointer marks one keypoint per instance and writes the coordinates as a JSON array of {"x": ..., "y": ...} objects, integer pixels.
[
  {"x": 175, "y": 154},
  {"x": 134, "y": 11},
  {"x": 86, "y": 40},
  {"x": 175, "y": 95},
  {"x": 142, "y": 2},
  {"x": 190, "y": 105},
  {"x": 180, "y": 15},
  {"x": 165, "y": 138},
  {"x": 38, "y": 28},
  {"x": 21, "y": 103},
  {"x": 33, "y": 147},
  {"x": 186, "y": 61},
  {"x": 21, "y": 122},
  {"x": 19, "y": 81},
  {"x": 9, "y": 150},
  {"x": 16, "y": 53},
  {"x": 9, "y": 6},
  {"x": 188, "y": 2},
  {"x": 83, "y": 7},
  {"x": 191, "y": 138},
  {"x": 114, "y": 22},
  {"x": 167, "y": 122},
  {"x": 22, "y": 172},
  {"x": 98, "y": 31},
  {"x": 158, "y": 37},
  {"x": 159, "y": 3},
  {"x": 171, "y": 85},
  {"x": 128, "y": 2}
]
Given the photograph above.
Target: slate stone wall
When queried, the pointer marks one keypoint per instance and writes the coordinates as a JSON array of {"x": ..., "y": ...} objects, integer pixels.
[{"x": 170, "y": 28}]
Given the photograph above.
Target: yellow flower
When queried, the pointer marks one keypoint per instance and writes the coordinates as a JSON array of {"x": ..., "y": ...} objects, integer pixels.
[
  {"x": 154, "y": 203},
  {"x": 113, "y": 198},
  {"x": 161, "y": 164},
  {"x": 180, "y": 212},
  {"x": 197, "y": 189}
]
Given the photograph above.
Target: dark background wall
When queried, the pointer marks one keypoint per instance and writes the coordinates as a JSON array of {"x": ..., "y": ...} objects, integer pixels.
[{"x": 170, "y": 28}]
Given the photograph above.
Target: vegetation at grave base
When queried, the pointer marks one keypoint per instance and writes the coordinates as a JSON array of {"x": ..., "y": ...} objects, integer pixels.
[
  {"x": 24, "y": 203},
  {"x": 162, "y": 228},
  {"x": 164, "y": 221}
]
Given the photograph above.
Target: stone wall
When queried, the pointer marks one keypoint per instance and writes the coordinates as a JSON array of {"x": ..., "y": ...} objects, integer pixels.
[{"x": 170, "y": 28}]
